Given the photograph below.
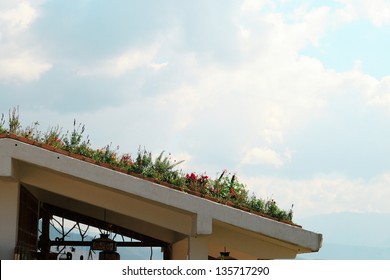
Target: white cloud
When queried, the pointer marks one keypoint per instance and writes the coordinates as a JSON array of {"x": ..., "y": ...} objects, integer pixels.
[
  {"x": 378, "y": 92},
  {"x": 254, "y": 5},
  {"x": 377, "y": 11},
  {"x": 179, "y": 157},
  {"x": 17, "y": 19},
  {"x": 158, "y": 66},
  {"x": 265, "y": 156},
  {"x": 24, "y": 66},
  {"x": 19, "y": 60},
  {"x": 183, "y": 103},
  {"x": 127, "y": 61},
  {"x": 325, "y": 193},
  {"x": 284, "y": 33},
  {"x": 348, "y": 13},
  {"x": 260, "y": 101}
]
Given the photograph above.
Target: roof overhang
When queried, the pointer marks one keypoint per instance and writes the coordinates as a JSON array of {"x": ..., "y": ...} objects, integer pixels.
[{"x": 152, "y": 209}]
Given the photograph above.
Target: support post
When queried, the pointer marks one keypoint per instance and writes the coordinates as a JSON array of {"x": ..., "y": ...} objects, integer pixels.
[
  {"x": 9, "y": 216},
  {"x": 198, "y": 248},
  {"x": 167, "y": 252},
  {"x": 44, "y": 241}
]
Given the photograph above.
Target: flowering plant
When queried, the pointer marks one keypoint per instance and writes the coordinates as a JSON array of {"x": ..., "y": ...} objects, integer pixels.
[
  {"x": 225, "y": 189},
  {"x": 198, "y": 183}
]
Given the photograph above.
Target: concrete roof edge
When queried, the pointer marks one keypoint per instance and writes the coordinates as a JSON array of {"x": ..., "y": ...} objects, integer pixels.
[{"x": 205, "y": 210}]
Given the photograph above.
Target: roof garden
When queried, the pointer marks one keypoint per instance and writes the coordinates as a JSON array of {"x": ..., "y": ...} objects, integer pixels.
[{"x": 161, "y": 169}]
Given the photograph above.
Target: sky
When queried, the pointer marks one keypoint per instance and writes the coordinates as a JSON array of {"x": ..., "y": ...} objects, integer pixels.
[{"x": 292, "y": 96}]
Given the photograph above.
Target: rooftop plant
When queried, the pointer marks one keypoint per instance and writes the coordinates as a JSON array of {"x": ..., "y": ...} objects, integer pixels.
[{"x": 226, "y": 188}]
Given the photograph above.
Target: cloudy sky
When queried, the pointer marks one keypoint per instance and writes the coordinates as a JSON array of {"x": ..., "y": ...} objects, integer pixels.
[{"x": 293, "y": 96}]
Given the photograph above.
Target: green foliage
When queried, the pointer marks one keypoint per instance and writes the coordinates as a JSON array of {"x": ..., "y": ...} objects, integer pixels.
[
  {"x": 256, "y": 204},
  {"x": 13, "y": 121},
  {"x": 230, "y": 189},
  {"x": 163, "y": 169},
  {"x": 30, "y": 131},
  {"x": 54, "y": 137},
  {"x": 72, "y": 141},
  {"x": 2, "y": 124},
  {"x": 226, "y": 188},
  {"x": 142, "y": 164}
]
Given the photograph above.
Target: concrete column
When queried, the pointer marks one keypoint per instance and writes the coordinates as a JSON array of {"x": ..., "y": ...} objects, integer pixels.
[
  {"x": 191, "y": 248},
  {"x": 198, "y": 248},
  {"x": 180, "y": 250},
  {"x": 9, "y": 218}
]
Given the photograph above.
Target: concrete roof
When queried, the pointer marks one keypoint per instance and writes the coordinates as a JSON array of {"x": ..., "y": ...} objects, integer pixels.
[{"x": 152, "y": 209}]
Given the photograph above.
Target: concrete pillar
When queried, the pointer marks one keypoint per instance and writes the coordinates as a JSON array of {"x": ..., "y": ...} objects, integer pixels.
[
  {"x": 198, "y": 248},
  {"x": 191, "y": 248},
  {"x": 9, "y": 218},
  {"x": 180, "y": 250}
]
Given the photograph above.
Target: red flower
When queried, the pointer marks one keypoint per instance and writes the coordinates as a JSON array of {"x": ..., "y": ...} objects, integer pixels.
[{"x": 191, "y": 177}]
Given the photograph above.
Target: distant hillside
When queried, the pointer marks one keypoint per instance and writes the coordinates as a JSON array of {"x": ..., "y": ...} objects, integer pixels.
[
  {"x": 351, "y": 235},
  {"x": 331, "y": 251}
]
